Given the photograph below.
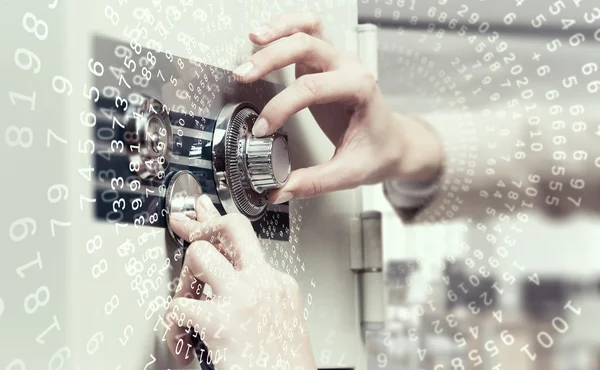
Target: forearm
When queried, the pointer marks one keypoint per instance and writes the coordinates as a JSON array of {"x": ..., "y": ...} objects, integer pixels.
[
  {"x": 491, "y": 160},
  {"x": 417, "y": 180}
]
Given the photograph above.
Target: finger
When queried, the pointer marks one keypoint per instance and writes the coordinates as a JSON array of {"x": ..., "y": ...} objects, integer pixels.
[
  {"x": 348, "y": 86},
  {"x": 336, "y": 174},
  {"x": 189, "y": 285},
  {"x": 233, "y": 231},
  {"x": 286, "y": 25},
  {"x": 191, "y": 229},
  {"x": 205, "y": 209},
  {"x": 206, "y": 265},
  {"x": 187, "y": 318},
  {"x": 297, "y": 48}
]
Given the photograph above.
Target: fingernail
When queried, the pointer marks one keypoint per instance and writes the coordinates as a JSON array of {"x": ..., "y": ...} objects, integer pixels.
[
  {"x": 283, "y": 197},
  {"x": 262, "y": 31},
  {"x": 207, "y": 204},
  {"x": 260, "y": 127},
  {"x": 244, "y": 69}
]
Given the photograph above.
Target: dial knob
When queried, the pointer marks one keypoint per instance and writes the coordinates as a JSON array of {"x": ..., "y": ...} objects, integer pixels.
[
  {"x": 268, "y": 162},
  {"x": 246, "y": 167}
]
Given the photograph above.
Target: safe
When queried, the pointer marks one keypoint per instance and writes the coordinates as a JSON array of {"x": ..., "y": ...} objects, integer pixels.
[{"x": 123, "y": 111}]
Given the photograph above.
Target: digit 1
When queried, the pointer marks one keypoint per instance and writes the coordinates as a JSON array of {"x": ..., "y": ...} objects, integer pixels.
[
  {"x": 532, "y": 356},
  {"x": 569, "y": 306},
  {"x": 30, "y": 99}
]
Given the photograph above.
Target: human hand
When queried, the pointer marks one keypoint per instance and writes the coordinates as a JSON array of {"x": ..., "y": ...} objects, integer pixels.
[
  {"x": 372, "y": 143},
  {"x": 253, "y": 316}
]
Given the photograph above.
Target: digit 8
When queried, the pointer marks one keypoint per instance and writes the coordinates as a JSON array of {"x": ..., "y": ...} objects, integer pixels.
[
  {"x": 142, "y": 239},
  {"x": 181, "y": 320},
  {"x": 36, "y": 26},
  {"x": 184, "y": 37},
  {"x": 110, "y": 13},
  {"x": 146, "y": 73},
  {"x": 140, "y": 81},
  {"x": 134, "y": 166},
  {"x": 136, "y": 282},
  {"x": 110, "y": 306},
  {"x": 135, "y": 46},
  {"x": 151, "y": 270},
  {"x": 36, "y": 297},
  {"x": 99, "y": 268},
  {"x": 134, "y": 266},
  {"x": 153, "y": 253},
  {"x": 131, "y": 137},
  {"x": 172, "y": 10},
  {"x": 167, "y": 302},
  {"x": 94, "y": 244},
  {"x": 151, "y": 58},
  {"x": 20, "y": 132}
]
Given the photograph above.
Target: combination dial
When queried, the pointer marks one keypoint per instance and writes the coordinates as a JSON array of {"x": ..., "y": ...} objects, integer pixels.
[{"x": 246, "y": 167}]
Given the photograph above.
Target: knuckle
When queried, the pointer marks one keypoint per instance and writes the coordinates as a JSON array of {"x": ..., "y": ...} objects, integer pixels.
[
  {"x": 309, "y": 85},
  {"x": 303, "y": 41},
  {"x": 315, "y": 188},
  {"x": 366, "y": 85},
  {"x": 314, "y": 21},
  {"x": 263, "y": 58}
]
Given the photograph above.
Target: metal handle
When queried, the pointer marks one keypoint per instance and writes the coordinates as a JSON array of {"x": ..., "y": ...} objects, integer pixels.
[{"x": 182, "y": 193}]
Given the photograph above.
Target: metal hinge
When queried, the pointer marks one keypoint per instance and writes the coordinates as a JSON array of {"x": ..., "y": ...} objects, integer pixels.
[
  {"x": 367, "y": 47},
  {"x": 366, "y": 260}
]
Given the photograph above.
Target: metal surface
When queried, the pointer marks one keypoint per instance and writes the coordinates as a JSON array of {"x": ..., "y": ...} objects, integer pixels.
[
  {"x": 267, "y": 162},
  {"x": 182, "y": 193},
  {"x": 226, "y": 166},
  {"x": 148, "y": 129},
  {"x": 243, "y": 165}
]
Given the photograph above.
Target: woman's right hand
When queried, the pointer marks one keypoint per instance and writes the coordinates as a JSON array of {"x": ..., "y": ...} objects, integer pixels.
[
  {"x": 254, "y": 316},
  {"x": 372, "y": 143}
]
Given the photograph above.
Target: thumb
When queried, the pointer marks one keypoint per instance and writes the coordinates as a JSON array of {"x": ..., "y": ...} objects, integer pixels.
[{"x": 313, "y": 181}]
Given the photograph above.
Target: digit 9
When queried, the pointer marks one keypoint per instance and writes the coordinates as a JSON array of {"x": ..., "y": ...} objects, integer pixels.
[
  {"x": 382, "y": 360},
  {"x": 32, "y": 59}
]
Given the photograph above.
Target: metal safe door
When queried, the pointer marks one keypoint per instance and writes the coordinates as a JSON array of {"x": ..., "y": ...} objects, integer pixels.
[{"x": 92, "y": 249}]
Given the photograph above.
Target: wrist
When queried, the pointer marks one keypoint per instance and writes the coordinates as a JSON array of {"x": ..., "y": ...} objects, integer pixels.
[{"x": 422, "y": 155}]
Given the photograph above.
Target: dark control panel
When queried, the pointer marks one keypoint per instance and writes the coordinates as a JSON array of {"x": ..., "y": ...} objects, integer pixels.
[{"x": 155, "y": 116}]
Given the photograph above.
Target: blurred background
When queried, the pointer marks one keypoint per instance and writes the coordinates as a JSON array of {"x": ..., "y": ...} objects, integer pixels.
[{"x": 492, "y": 283}]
